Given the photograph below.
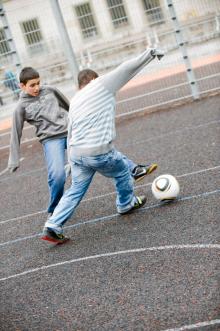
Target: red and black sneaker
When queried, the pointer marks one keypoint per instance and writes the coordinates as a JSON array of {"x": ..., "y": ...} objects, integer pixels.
[{"x": 53, "y": 237}]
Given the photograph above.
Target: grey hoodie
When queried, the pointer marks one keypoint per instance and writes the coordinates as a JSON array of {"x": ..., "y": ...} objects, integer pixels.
[{"x": 48, "y": 112}]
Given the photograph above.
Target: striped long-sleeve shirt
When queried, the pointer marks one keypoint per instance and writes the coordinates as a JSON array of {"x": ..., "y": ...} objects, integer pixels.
[{"x": 92, "y": 109}]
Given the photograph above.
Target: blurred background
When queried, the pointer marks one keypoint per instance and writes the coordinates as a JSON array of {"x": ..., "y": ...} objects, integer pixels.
[{"x": 102, "y": 34}]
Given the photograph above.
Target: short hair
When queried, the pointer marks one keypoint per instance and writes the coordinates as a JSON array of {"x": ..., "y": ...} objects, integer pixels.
[
  {"x": 85, "y": 76},
  {"x": 27, "y": 74}
]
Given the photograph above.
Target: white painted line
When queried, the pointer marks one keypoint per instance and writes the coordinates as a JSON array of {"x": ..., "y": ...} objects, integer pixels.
[
  {"x": 111, "y": 193},
  {"x": 23, "y": 142},
  {"x": 174, "y": 132},
  {"x": 195, "y": 326},
  {"x": 24, "y": 216},
  {"x": 149, "y": 184},
  {"x": 8, "y": 132},
  {"x": 129, "y": 251},
  {"x": 142, "y": 141},
  {"x": 110, "y": 217},
  {"x": 197, "y": 172},
  {"x": 24, "y": 174},
  {"x": 3, "y": 171}
]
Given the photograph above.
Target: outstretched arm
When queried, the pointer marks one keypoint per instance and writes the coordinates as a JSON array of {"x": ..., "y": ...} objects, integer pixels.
[
  {"x": 16, "y": 132},
  {"x": 118, "y": 77}
]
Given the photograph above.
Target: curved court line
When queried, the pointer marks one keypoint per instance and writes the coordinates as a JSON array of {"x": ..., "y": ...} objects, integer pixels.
[
  {"x": 142, "y": 141},
  {"x": 110, "y": 217},
  {"x": 129, "y": 251},
  {"x": 194, "y": 326},
  {"x": 108, "y": 194}
]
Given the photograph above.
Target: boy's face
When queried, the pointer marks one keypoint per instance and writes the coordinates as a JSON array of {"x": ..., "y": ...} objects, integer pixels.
[{"x": 32, "y": 87}]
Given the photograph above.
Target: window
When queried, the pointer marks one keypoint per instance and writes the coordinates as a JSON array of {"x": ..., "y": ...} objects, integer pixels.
[
  {"x": 4, "y": 45},
  {"x": 153, "y": 11},
  {"x": 117, "y": 12},
  {"x": 32, "y": 34},
  {"x": 86, "y": 20}
]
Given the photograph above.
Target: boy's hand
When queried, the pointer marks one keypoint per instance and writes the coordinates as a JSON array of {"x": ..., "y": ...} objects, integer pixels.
[
  {"x": 159, "y": 53},
  {"x": 67, "y": 170}
]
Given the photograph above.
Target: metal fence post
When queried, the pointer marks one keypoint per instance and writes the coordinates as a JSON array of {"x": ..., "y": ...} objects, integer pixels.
[
  {"x": 65, "y": 38},
  {"x": 179, "y": 37},
  {"x": 13, "y": 51}
]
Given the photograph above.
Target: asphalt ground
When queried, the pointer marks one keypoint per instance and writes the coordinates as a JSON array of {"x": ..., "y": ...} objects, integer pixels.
[{"x": 156, "y": 269}]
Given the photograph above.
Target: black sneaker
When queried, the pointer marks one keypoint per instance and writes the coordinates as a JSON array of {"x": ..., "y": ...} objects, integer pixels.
[
  {"x": 52, "y": 236},
  {"x": 138, "y": 204},
  {"x": 140, "y": 171}
]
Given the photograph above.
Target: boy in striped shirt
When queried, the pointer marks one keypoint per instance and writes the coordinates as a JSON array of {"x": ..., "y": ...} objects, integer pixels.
[{"x": 91, "y": 143}]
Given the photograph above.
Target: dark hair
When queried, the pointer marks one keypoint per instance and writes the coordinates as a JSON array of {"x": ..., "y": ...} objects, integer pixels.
[
  {"x": 27, "y": 74},
  {"x": 85, "y": 76}
]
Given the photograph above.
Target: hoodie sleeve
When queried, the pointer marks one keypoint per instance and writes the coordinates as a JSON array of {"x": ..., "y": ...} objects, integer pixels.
[
  {"x": 63, "y": 101},
  {"x": 16, "y": 133},
  {"x": 117, "y": 78}
]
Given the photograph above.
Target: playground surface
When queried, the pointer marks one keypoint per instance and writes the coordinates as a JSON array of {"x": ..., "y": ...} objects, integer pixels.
[{"x": 154, "y": 270}]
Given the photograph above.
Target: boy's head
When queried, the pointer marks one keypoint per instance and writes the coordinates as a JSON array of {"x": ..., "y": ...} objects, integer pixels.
[
  {"x": 85, "y": 76},
  {"x": 30, "y": 81}
]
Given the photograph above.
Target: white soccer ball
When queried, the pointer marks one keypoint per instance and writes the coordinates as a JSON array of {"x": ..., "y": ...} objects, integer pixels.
[{"x": 165, "y": 188}]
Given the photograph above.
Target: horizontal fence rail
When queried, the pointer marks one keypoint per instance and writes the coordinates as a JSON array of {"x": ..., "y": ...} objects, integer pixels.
[{"x": 103, "y": 34}]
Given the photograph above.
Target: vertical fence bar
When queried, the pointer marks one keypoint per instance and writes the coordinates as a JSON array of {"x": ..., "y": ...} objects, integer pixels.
[
  {"x": 13, "y": 51},
  {"x": 179, "y": 38},
  {"x": 65, "y": 38}
]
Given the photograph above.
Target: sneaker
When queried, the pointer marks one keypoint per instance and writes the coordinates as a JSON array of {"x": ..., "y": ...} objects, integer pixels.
[
  {"x": 138, "y": 204},
  {"x": 52, "y": 236},
  {"x": 140, "y": 171}
]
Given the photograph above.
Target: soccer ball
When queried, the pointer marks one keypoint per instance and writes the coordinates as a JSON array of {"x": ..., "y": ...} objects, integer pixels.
[{"x": 165, "y": 188}]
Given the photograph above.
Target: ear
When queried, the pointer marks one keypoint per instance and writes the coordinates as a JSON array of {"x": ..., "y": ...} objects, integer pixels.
[{"x": 22, "y": 86}]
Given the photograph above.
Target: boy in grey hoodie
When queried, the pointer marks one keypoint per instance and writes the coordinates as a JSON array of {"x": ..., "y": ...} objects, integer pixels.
[{"x": 46, "y": 108}]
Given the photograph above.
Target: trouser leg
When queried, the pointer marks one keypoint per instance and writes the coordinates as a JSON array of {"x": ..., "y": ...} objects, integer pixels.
[
  {"x": 54, "y": 152},
  {"x": 130, "y": 163},
  {"x": 82, "y": 177},
  {"x": 116, "y": 167}
]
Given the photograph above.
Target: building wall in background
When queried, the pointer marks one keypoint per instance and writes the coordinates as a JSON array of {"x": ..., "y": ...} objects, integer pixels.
[
  {"x": 141, "y": 25},
  {"x": 103, "y": 33}
]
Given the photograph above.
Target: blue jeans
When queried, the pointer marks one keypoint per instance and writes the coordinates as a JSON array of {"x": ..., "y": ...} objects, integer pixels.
[
  {"x": 130, "y": 163},
  {"x": 113, "y": 165},
  {"x": 54, "y": 153}
]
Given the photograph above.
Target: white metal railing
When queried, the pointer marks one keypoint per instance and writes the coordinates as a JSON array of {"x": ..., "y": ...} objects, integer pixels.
[{"x": 105, "y": 35}]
